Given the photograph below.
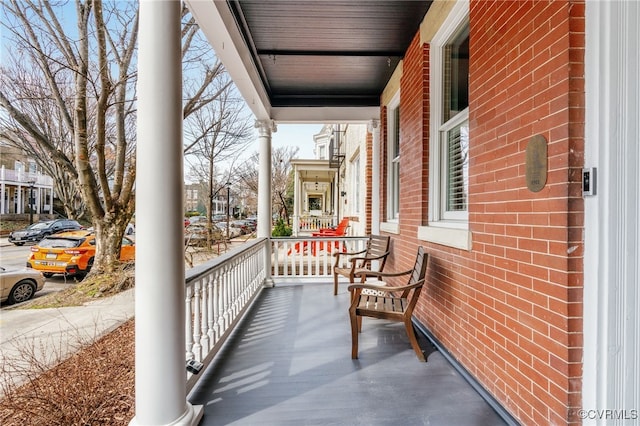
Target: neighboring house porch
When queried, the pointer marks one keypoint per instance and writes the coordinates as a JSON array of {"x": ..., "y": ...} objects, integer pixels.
[{"x": 24, "y": 192}]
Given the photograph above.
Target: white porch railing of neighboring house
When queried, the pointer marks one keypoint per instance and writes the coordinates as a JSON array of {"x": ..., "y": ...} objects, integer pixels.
[
  {"x": 218, "y": 292},
  {"x": 313, "y": 223},
  {"x": 14, "y": 191},
  {"x": 22, "y": 177}
]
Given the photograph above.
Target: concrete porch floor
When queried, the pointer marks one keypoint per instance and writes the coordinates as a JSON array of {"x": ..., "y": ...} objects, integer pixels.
[{"x": 289, "y": 363}]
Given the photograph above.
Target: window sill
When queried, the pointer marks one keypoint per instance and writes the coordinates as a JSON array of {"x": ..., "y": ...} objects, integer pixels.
[
  {"x": 390, "y": 227},
  {"x": 451, "y": 237}
]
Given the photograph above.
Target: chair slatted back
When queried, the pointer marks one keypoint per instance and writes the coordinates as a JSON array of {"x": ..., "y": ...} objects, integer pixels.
[
  {"x": 377, "y": 245},
  {"x": 418, "y": 274}
]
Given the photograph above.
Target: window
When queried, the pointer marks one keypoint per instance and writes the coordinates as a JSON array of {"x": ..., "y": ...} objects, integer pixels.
[
  {"x": 449, "y": 171},
  {"x": 449, "y": 137},
  {"x": 393, "y": 151},
  {"x": 322, "y": 152}
]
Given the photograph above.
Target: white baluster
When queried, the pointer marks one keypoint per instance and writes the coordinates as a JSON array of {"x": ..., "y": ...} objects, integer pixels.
[
  {"x": 210, "y": 311},
  {"x": 204, "y": 321},
  {"x": 197, "y": 348},
  {"x": 188, "y": 323}
]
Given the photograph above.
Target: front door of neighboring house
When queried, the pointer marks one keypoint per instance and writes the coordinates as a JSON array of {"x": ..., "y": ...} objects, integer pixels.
[{"x": 611, "y": 318}]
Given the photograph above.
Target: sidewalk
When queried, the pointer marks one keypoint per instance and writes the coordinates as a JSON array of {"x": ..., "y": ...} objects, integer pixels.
[{"x": 53, "y": 334}]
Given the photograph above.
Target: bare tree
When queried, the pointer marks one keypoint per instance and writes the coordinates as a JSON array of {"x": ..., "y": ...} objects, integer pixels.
[
  {"x": 24, "y": 83},
  {"x": 86, "y": 74},
  {"x": 217, "y": 132},
  {"x": 281, "y": 180}
]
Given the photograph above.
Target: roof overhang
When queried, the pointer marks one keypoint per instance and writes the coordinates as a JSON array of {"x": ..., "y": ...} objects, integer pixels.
[{"x": 310, "y": 61}]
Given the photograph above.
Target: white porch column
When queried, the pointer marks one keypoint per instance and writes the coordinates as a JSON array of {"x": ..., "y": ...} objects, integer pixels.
[
  {"x": 3, "y": 190},
  {"x": 265, "y": 128},
  {"x": 337, "y": 208},
  {"x": 159, "y": 294},
  {"x": 20, "y": 205},
  {"x": 51, "y": 200},
  {"x": 374, "y": 128},
  {"x": 296, "y": 201}
]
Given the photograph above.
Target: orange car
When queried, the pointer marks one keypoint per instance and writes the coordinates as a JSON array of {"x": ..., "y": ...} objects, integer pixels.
[{"x": 71, "y": 253}]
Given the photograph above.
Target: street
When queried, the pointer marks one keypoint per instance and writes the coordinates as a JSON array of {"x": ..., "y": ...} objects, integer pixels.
[{"x": 12, "y": 256}]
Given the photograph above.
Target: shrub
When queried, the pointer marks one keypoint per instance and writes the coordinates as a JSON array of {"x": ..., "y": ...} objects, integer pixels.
[{"x": 281, "y": 229}]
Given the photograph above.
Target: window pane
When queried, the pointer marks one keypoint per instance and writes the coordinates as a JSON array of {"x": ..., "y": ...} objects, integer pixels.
[
  {"x": 457, "y": 167},
  {"x": 456, "y": 75},
  {"x": 396, "y": 136}
]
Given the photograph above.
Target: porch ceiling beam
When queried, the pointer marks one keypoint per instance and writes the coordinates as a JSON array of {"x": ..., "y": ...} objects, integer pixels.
[{"x": 345, "y": 53}]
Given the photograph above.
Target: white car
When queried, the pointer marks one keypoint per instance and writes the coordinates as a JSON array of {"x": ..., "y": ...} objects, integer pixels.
[
  {"x": 19, "y": 285},
  {"x": 233, "y": 231}
]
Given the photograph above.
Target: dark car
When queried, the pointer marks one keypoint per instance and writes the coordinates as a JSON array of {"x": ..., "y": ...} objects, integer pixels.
[{"x": 37, "y": 231}]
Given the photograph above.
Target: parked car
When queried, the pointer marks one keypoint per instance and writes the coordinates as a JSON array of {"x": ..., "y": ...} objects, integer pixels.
[
  {"x": 197, "y": 219},
  {"x": 233, "y": 231},
  {"x": 196, "y": 234},
  {"x": 19, "y": 285},
  {"x": 37, "y": 231},
  {"x": 245, "y": 226},
  {"x": 71, "y": 253}
]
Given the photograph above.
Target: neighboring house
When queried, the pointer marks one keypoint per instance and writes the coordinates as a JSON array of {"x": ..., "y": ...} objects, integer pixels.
[
  {"x": 489, "y": 123},
  {"x": 196, "y": 199},
  {"x": 24, "y": 188},
  {"x": 333, "y": 185}
]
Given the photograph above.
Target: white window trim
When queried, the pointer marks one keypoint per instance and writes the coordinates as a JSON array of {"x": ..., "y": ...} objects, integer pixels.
[
  {"x": 391, "y": 106},
  {"x": 453, "y": 233}
]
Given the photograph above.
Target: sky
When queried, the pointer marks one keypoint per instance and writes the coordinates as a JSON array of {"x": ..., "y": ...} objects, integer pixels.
[{"x": 300, "y": 135}]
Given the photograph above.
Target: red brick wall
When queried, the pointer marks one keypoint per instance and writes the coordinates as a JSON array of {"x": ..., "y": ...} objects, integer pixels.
[
  {"x": 368, "y": 178},
  {"x": 510, "y": 310}
]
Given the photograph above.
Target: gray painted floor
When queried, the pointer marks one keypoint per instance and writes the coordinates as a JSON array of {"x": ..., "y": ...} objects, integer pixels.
[{"x": 289, "y": 363}]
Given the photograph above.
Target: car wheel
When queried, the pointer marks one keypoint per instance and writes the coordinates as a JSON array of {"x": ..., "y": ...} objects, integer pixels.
[
  {"x": 22, "y": 291},
  {"x": 18, "y": 244},
  {"x": 47, "y": 274}
]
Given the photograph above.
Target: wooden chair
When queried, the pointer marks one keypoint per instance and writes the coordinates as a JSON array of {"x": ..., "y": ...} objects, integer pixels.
[
  {"x": 377, "y": 249},
  {"x": 388, "y": 302},
  {"x": 338, "y": 231}
]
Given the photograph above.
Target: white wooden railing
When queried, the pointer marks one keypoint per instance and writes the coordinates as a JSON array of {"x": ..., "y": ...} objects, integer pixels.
[
  {"x": 314, "y": 223},
  {"x": 310, "y": 257},
  {"x": 22, "y": 177},
  {"x": 218, "y": 292}
]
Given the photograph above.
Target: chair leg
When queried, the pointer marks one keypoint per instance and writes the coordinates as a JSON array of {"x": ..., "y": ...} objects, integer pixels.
[
  {"x": 335, "y": 283},
  {"x": 411, "y": 333},
  {"x": 354, "y": 334}
]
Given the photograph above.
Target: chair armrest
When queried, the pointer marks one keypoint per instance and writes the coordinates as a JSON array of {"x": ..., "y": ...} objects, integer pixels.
[
  {"x": 381, "y": 275},
  {"x": 353, "y": 259},
  {"x": 385, "y": 288},
  {"x": 345, "y": 253}
]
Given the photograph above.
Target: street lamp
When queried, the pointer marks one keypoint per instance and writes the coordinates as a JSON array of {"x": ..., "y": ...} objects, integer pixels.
[
  {"x": 31, "y": 200},
  {"x": 228, "y": 190}
]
